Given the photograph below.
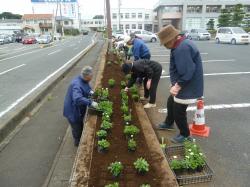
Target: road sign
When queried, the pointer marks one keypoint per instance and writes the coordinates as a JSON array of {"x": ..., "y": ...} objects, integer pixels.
[{"x": 53, "y": 1}]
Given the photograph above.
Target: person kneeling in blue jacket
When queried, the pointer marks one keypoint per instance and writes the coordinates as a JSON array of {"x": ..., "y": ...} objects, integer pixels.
[
  {"x": 77, "y": 100},
  {"x": 186, "y": 77}
]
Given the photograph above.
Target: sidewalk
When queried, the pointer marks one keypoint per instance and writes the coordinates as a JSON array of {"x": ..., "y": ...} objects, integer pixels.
[{"x": 40, "y": 152}]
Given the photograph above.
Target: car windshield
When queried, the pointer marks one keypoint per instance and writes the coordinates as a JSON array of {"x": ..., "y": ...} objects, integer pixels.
[
  {"x": 202, "y": 30},
  {"x": 238, "y": 31},
  {"x": 44, "y": 37}
]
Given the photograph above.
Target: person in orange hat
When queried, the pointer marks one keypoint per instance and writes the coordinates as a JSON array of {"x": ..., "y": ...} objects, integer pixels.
[{"x": 186, "y": 77}]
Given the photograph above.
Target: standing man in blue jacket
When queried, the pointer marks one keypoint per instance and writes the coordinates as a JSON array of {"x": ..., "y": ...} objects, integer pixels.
[
  {"x": 77, "y": 100},
  {"x": 186, "y": 76}
]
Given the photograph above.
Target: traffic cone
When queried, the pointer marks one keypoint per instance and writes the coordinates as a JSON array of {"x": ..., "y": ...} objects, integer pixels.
[{"x": 199, "y": 127}]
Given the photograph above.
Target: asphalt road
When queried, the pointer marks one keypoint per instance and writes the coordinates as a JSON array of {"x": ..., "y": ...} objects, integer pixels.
[
  {"x": 227, "y": 75},
  {"x": 22, "y": 67}
]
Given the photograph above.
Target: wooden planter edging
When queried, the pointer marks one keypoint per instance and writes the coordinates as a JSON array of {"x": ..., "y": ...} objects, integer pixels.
[{"x": 82, "y": 165}]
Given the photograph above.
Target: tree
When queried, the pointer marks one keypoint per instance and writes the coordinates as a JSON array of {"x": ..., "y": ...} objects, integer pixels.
[
  {"x": 247, "y": 20},
  {"x": 98, "y": 17},
  {"x": 225, "y": 18},
  {"x": 238, "y": 15},
  {"x": 210, "y": 24},
  {"x": 9, "y": 15}
]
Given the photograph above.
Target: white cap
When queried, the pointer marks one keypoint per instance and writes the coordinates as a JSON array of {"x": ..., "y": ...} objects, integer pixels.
[{"x": 127, "y": 38}]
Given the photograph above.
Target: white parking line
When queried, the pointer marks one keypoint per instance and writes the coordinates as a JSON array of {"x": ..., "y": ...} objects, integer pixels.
[
  {"x": 12, "y": 69},
  {"x": 54, "y": 52},
  {"x": 218, "y": 74},
  {"x": 229, "y": 60},
  {"x": 214, "y": 107}
]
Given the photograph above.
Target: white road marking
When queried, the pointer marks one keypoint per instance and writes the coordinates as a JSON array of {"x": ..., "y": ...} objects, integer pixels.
[
  {"x": 41, "y": 83},
  {"x": 20, "y": 48},
  {"x": 72, "y": 45},
  {"x": 218, "y": 74},
  {"x": 54, "y": 52},
  {"x": 12, "y": 69},
  {"x": 205, "y": 61},
  {"x": 214, "y": 107},
  {"x": 25, "y": 54},
  {"x": 3, "y": 48}
]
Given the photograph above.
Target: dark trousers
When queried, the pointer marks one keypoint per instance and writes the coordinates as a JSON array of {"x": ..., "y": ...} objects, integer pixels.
[
  {"x": 151, "y": 93},
  {"x": 76, "y": 131},
  {"x": 177, "y": 113}
]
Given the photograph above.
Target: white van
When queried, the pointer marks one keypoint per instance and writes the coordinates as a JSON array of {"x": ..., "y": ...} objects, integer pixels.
[{"x": 233, "y": 35}]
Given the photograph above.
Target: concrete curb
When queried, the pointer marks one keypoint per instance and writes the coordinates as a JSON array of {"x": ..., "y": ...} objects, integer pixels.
[
  {"x": 47, "y": 45},
  {"x": 10, "y": 120}
]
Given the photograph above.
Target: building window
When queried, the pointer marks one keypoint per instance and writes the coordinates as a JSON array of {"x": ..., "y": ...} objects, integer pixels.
[
  {"x": 35, "y": 21},
  {"x": 100, "y": 22},
  {"x": 127, "y": 26},
  {"x": 121, "y": 15},
  {"x": 66, "y": 22},
  {"x": 127, "y": 15},
  {"x": 193, "y": 23},
  {"x": 91, "y": 22},
  {"x": 213, "y": 8},
  {"x": 172, "y": 9},
  {"x": 133, "y": 26},
  {"x": 139, "y": 15},
  {"x": 115, "y": 27},
  {"x": 133, "y": 15},
  {"x": 146, "y": 16},
  {"x": 96, "y": 22},
  {"x": 84, "y": 22},
  {"x": 114, "y": 16},
  {"x": 139, "y": 26},
  {"x": 121, "y": 27},
  {"x": 193, "y": 9}
]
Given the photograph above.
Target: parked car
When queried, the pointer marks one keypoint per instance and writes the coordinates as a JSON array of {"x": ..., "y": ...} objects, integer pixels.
[
  {"x": 29, "y": 40},
  {"x": 4, "y": 39},
  {"x": 119, "y": 34},
  {"x": 57, "y": 36},
  {"x": 199, "y": 34},
  {"x": 44, "y": 39},
  {"x": 145, "y": 35},
  {"x": 85, "y": 32},
  {"x": 233, "y": 35}
]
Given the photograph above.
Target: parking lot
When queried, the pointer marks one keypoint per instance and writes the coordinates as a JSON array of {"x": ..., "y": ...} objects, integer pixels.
[{"x": 227, "y": 104}]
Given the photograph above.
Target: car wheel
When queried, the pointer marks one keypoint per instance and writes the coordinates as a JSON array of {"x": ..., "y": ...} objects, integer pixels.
[
  {"x": 153, "y": 40},
  {"x": 217, "y": 40},
  {"x": 233, "y": 41}
]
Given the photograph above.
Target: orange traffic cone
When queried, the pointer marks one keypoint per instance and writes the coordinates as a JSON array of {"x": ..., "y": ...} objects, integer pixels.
[{"x": 199, "y": 127}]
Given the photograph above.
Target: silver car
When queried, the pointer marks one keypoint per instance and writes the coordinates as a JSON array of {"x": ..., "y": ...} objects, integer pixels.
[
  {"x": 4, "y": 39},
  {"x": 199, "y": 34}
]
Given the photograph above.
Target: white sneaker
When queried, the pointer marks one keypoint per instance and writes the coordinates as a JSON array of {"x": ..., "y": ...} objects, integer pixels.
[{"x": 149, "y": 105}]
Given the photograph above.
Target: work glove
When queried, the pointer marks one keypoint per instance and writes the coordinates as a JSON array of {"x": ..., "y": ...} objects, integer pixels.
[
  {"x": 94, "y": 104},
  {"x": 91, "y": 92}
]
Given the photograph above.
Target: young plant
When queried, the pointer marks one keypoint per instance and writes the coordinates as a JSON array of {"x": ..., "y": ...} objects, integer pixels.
[
  {"x": 124, "y": 109},
  {"x": 130, "y": 130},
  {"x": 131, "y": 145},
  {"x": 106, "y": 125},
  {"x": 141, "y": 166},
  {"x": 103, "y": 145},
  {"x": 176, "y": 164},
  {"x": 135, "y": 97},
  {"x": 145, "y": 185},
  {"x": 127, "y": 117},
  {"x": 109, "y": 63},
  {"x": 123, "y": 84},
  {"x": 128, "y": 77},
  {"x": 106, "y": 107},
  {"x": 111, "y": 83},
  {"x": 116, "y": 184},
  {"x": 106, "y": 117},
  {"x": 115, "y": 168},
  {"x": 101, "y": 134},
  {"x": 134, "y": 90}
]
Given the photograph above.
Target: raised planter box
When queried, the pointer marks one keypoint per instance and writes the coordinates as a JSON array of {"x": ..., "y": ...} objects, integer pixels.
[
  {"x": 185, "y": 178},
  {"x": 90, "y": 168}
]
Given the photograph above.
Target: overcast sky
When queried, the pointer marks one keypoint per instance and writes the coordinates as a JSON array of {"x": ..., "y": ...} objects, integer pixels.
[{"x": 88, "y": 8}]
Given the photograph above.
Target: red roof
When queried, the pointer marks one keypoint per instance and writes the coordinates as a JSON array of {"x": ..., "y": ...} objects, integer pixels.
[{"x": 37, "y": 16}]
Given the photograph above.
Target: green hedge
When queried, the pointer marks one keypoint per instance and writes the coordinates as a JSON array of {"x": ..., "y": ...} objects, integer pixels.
[
  {"x": 247, "y": 29},
  {"x": 73, "y": 32}
]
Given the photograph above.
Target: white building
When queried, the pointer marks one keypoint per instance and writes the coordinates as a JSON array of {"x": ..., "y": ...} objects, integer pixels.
[
  {"x": 9, "y": 26},
  {"x": 93, "y": 24},
  {"x": 132, "y": 18},
  {"x": 189, "y": 14}
]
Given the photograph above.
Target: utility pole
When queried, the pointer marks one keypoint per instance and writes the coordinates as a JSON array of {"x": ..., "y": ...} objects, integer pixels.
[
  {"x": 119, "y": 14},
  {"x": 109, "y": 22},
  {"x": 61, "y": 19}
]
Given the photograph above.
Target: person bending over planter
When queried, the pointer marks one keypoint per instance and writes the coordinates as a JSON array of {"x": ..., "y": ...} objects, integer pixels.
[
  {"x": 77, "y": 100},
  {"x": 186, "y": 76},
  {"x": 150, "y": 71}
]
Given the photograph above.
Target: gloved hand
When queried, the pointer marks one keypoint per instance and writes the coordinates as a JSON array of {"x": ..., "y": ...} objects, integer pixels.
[
  {"x": 91, "y": 92},
  {"x": 94, "y": 104},
  {"x": 126, "y": 89}
]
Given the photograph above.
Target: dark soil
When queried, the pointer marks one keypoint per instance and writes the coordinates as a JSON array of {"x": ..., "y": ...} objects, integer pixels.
[{"x": 118, "y": 151}]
